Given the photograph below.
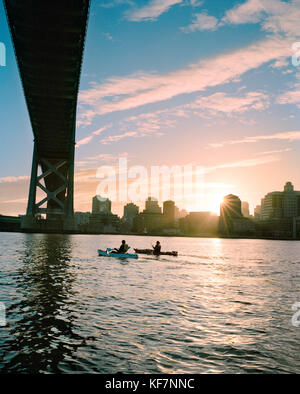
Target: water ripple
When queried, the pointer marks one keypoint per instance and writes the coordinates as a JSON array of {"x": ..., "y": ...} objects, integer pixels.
[{"x": 221, "y": 306}]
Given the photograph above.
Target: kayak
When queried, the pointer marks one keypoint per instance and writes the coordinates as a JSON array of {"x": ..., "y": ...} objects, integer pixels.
[
  {"x": 107, "y": 253},
  {"x": 150, "y": 251}
]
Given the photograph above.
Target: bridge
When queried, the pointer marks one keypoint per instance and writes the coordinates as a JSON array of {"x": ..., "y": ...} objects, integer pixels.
[{"x": 48, "y": 38}]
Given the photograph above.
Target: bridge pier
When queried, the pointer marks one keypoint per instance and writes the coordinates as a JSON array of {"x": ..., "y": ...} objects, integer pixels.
[
  {"x": 48, "y": 38},
  {"x": 56, "y": 182}
]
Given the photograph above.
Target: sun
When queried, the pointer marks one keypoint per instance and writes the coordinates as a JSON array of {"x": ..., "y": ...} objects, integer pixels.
[
  {"x": 208, "y": 202},
  {"x": 215, "y": 201}
]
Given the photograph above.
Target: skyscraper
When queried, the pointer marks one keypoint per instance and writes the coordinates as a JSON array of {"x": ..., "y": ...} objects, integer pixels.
[
  {"x": 130, "y": 212},
  {"x": 230, "y": 210},
  {"x": 101, "y": 204},
  {"x": 151, "y": 205},
  {"x": 281, "y": 205},
  {"x": 169, "y": 212}
]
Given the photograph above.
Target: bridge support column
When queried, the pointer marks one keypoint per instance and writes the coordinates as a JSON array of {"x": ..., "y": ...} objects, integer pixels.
[{"x": 58, "y": 197}]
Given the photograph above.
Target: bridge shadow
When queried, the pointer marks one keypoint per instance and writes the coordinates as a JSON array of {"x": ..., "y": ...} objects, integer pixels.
[{"x": 42, "y": 320}]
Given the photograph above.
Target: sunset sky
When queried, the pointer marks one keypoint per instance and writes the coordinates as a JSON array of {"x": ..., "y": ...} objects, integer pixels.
[{"x": 174, "y": 82}]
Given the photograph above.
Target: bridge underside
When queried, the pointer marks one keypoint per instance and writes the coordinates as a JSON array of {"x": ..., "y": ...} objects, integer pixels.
[{"x": 48, "y": 38}]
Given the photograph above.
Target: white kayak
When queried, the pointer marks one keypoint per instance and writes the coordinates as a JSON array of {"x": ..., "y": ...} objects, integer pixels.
[{"x": 109, "y": 253}]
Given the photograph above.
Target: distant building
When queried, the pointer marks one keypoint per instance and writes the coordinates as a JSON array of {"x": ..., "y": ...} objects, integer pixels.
[
  {"x": 82, "y": 218},
  {"x": 169, "y": 213},
  {"x": 130, "y": 212},
  {"x": 281, "y": 205},
  {"x": 151, "y": 219},
  {"x": 245, "y": 209},
  {"x": 257, "y": 212},
  {"x": 199, "y": 223},
  {"x": 151, "y": 206},
  {"x": 104, "y": 222},
  {"x": 231, "y": 207},
  {"x": 101, "y": 204},
  {"x": 232, "y": 222}
]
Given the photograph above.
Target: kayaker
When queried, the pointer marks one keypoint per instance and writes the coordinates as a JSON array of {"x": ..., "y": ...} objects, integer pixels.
[
  {"x": 123, "y": 248},
  {"x": 157, "y": 248}
]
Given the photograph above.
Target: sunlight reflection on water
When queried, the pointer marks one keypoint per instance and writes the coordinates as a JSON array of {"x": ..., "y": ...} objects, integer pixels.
[{"x": 221, "y": 306}]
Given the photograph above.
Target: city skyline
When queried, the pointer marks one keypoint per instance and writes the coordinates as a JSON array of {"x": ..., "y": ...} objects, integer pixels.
[
  {"x": 222, "y": 73},
  {"x": 288, "y": 188}
]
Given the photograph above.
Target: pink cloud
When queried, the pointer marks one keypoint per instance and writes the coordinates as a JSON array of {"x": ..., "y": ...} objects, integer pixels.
[
  {"x": 221, "y": 102},
  {"x": 141, "y": 89},
  {"x": 202, "y": 22},
  {"x": 288, "y": 136},
  {"x": 152, "y": 10},
  {"x": 84, "y": 141},
  {"x": 115, "y": 138}
]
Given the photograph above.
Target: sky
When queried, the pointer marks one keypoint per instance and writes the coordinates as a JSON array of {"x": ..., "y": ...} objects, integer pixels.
[{"x": 209, "y": 83}]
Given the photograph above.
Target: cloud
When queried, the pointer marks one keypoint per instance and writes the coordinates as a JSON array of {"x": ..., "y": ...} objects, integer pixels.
[
  {"x": 115, "y": 138},
  {"x": 84, "y": 141},
  {"x": 202, "y": 22},
  {"x": 108, "y": 36},
  {"x": 290, "y": 97},
  {"x": 151, "y": 11},
  {"x": 88, "y": 139},
  {"x": 124, "y": 93},
  {"x": 223, "y": 103},
  {"x": 271, "y": 152},
  {"x": 244, "y": 163},
  {"x": 279, "y": 17},
  {"x": 13, "y": 179},
  {"x": 288, "y": 136},
  {"x": 102, "y": 157},
  {"x": 114, "y": 3},
  {"x": 99, "y": 131}
]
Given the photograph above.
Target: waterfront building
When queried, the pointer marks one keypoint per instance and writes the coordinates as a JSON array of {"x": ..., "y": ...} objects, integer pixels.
[
  {"x": 231, "y": 208},
  {"x": 151, "y": 219},
  {"x": 281, "y": 205},
  {"x": 199, "y": 223},
  {"x": 130, "y": 212},
  {"x": 104, "y": 222},
  {"x": 257, "y": 212},
  {"x": 82, "y": 218},
  {"x": 151, "y": 206},
  {"x": 169, "y": 213},
  {"x": 101, "y": 204},
  {"x": 245, "y": 209},
  {"x": 232, "y": 222}
]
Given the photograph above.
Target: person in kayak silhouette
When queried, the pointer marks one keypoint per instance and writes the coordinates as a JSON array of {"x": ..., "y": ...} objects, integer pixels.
[
  {"x": 157, "y": 248},
  {"x": 123, "y": 248}
]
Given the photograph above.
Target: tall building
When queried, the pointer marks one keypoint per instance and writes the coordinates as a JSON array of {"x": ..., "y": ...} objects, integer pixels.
[
  {"x": 231, "y": 218},
  {"x": 151, "y": 205},
  {"x": 101, "y": 204},
  {"x": 151, "y": 219},
  {"x": 281, "y": 205},
  {"x": 130, "y": 212},
  {"x": 257, "y": 212},
  {"x": 245, "y": 209},
  {"x": 231, "y": 207},
  {"x": 169, "y": 212}
]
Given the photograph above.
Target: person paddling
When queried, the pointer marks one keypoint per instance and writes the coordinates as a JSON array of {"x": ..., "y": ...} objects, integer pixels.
[
  {"x": 157, "y": 248},
  {"x": 123, "y": 248}
]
